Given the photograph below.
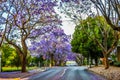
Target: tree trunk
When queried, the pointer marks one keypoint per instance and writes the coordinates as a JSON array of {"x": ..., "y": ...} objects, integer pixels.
[
  {"x": 60, "y": 63},
  {"x": 52, "y": 59},
  {"x": 50, "y": 65},
  {"x": 96, "y": 61},
  {"x": 118, "y": 53},
  {"x": 23, "y": 62},
  {"x": 55, "y": 63},
  {"x": 88, "y": 61},
  {"x": 91, "y": 60},
  {"x": 106, "y": 62}
]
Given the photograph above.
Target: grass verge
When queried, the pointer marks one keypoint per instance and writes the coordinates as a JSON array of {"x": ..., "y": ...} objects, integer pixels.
[{"x": 11, "y": 69}]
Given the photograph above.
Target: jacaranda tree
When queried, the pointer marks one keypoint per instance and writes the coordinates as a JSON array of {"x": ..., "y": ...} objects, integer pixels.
[
  {"x": 76, "y": 9},
  {"x": 53, "y": 46},
  {"x": 20, "y": 18}
]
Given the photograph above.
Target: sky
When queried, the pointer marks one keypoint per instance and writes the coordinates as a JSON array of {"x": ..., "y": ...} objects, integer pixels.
[{"x": 68, "y": 27}]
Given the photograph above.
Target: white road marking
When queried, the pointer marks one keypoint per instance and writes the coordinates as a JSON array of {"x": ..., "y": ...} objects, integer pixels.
[{"x": 63, "y": 72}]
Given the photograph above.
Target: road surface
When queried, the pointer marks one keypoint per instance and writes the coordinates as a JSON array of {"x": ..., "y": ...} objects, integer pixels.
[{"x": 67, "y": 73}]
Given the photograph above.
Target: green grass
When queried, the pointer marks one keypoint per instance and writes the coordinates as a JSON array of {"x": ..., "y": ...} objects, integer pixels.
[{"x": 10, "y": 69}]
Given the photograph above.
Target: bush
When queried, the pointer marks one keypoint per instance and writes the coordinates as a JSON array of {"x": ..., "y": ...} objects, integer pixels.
[{"x": 117, "y": 64}]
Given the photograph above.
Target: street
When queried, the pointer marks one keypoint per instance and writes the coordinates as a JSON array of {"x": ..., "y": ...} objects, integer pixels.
[{"x": 66, "y": 73}]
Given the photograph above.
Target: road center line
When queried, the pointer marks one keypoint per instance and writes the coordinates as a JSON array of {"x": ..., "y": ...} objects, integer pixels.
[{"x": 63, "y": 72}]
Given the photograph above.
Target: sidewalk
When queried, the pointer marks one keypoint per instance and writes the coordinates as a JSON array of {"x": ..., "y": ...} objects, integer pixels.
[
  {"x": 113, "y": 73},
  {"x": 18, "y": 75}
]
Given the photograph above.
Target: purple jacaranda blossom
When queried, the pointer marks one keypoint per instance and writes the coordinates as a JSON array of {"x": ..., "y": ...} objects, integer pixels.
[{"x": 54, "y": 42}]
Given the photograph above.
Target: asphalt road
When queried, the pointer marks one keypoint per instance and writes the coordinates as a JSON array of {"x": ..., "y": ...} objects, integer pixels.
[{"x": 67, "y": 73}]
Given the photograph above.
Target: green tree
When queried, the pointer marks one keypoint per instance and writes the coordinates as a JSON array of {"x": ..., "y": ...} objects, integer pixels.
[
  {"x": 110, "y": 9},
  {"x": 82, "y": 44},
  {"x": 9, "y": 56},
  {"x": 99, "y": 31},
  {"x": 38, "y": 61},
  {"x": 104, "y": 36}
]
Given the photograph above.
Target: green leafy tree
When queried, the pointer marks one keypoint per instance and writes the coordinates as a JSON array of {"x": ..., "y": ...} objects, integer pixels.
[
  {"x": 38, "y": 61},
  {"x": 103, "y": 35},
  {"x": 9, "y": 56},
  {"x": 85, "y": 46},
  {"x": 99, "y": 31},
  {"x": 110, "y": 9}
]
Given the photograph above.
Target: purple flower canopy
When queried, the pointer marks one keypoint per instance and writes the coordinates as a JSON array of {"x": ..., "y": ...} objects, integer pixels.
[
  {"x": 71, "y": 56},
  {"x": 35, "y": 19},
  {"x": 26, "y": 17},
  {"x": 54, "y": 42}
]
